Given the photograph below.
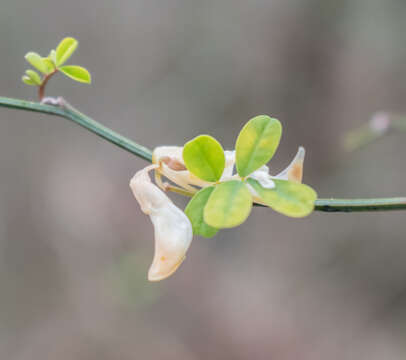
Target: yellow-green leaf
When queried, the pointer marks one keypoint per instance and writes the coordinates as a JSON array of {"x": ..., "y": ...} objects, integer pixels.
[
  {"x": 194, "y": 211},
  {"x": 49, "y": 64},
  {"x": 257, "y": 143},
  {"x": 52, "y": 56},
  {"x": 77, "y": 73},
  {"x": 33, "y": 76},
  {"x": 229, "y": 205},
  {"x": 65, "y": 49},
  {"x": 204, "y": 158},
  {"x": 27, "y": 80},
  {"x": 287, "y": 197},
  {"x": 36, "y": 61}
]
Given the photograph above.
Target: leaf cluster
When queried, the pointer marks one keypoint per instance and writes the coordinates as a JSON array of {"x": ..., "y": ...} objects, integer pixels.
[
  {"x": 54, "y": 62},
  {"x": 226, "y": 204}
]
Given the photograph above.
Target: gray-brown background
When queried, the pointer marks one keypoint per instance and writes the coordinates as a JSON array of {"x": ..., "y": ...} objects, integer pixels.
[{"x": 74, "y": 245}]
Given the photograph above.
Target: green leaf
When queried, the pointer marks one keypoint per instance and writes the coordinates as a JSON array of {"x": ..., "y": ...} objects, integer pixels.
[
  {"x": 65, "y": 49},
  {"x": 257, "y": 143},
  {"x": 27, "y": 80},
  {"x": 204, "y": 158},
  {"x": 52, "y": 56},
  {"x": 77, "y": 73},
  {"x": 49, "y": 64},
  {"x": 36, "y": 61},
  {"x": 194, "y": 211},
  {"x": 33, "y": 76},
  {"x": 229, "y": 205},
  {"x": 287, "y": 197}
]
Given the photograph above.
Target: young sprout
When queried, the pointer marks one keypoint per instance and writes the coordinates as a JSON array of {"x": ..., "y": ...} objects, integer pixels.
[{"x": 53, "y": 63}]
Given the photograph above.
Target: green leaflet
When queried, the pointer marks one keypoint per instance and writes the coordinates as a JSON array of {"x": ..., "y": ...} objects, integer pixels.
[
  {"x": 288, "y": 198},
  {"x": 204, "y": 158},
  {"x": 77, "y": 73},
  {"x": 49, "y": 64},
  {"x": 229, "y": 205},
  {"x": 52, "y": 56},
  {"x": 257, "y": 143},
  {"x": 27, "y": 80},
  {"x": 35, "y": 78},
  {"x": 194, "y": 211},
  {"x": 36, "y": 61},
  {"x": 65, "y": 50}
]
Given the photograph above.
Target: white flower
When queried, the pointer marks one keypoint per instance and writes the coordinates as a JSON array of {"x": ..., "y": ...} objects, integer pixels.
[
  {"x": 170, "y": 164},
  {"x": 173, "y": 230}
]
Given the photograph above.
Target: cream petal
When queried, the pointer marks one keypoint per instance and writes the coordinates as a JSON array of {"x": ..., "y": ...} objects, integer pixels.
[
  {"x": 229, "y": 167},
  {"x": 170, "y": 161},
  {"x": 180, "y": 177},
  {"x": 146, "y": 193},
  {"x": 173, "y": 235},
  {"x": 170, "y": 151},
  {"x": 263, "y": 177},
  {"x": 173, "y": 230},
  {"x": 294, "y": 172}
]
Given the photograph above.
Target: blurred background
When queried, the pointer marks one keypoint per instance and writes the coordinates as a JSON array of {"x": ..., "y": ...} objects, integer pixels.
[{"x": 74, "y": 245}]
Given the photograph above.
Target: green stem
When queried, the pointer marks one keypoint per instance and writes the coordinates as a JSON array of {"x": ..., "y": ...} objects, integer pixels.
[
  {"x": 70, "y": 113},
  {"x": 41, "y": 88},
  {"x": 357, "y": 205}
]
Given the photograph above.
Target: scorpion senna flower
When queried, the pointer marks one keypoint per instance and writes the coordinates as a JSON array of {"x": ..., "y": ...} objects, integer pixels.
[
  {"x": 173, "y": 230},
  {"x": 171, "y": 165}
]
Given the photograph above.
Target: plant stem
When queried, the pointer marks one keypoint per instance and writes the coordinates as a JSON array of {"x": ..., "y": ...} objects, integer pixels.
[
  {"x": 68, "y": 112},
  {"x": 357, "y": 205},
  {"x": 41, "y": 88}
]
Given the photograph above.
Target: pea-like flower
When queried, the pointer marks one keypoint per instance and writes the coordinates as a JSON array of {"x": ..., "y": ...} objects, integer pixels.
[
  {"x": 223, "y": 186},
  {"x": 171, "y": 165}
]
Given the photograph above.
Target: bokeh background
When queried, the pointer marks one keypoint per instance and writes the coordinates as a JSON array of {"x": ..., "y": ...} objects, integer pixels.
[{"x": 74, "y": 245}]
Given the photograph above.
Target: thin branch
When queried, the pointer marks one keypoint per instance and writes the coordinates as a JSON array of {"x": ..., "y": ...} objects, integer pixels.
[
  {"x": 68, "y": 112},
  {"x": 358, "y": 205},
  {"x": 380, "y": 124}
]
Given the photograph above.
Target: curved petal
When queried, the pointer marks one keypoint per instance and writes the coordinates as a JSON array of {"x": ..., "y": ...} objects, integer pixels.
[
  {"x": 230, "y": 161},
  {"x": 294, "y": 172},
  {"x": 173, "y": 230},
  {"x": 263, "y": 177},
  {"x": 173, "y": 235}
]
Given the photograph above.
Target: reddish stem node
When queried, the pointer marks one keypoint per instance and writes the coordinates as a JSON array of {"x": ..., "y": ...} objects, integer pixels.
[{"x": 41, "y": 88}]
